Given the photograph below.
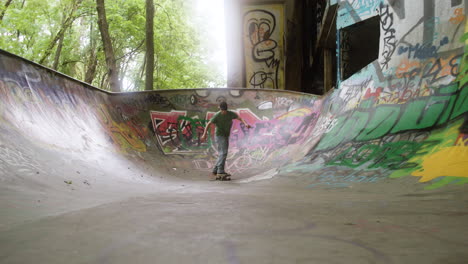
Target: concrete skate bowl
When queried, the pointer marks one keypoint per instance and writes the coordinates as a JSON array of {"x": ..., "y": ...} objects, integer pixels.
[
  {"x": 69, "y": 151},
  {"x": 346, "y": 137}
]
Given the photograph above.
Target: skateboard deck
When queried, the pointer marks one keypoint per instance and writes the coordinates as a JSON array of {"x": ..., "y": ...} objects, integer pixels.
[{"x": 220, "y": 177}]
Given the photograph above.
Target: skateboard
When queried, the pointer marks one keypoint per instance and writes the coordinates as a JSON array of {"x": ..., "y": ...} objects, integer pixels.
[{"x": 221, "y": 177}]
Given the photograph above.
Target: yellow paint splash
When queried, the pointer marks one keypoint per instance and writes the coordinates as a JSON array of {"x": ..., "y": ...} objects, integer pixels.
[
  {"x": 451, "y": 161},
  {"x": 297, "y": 112}
]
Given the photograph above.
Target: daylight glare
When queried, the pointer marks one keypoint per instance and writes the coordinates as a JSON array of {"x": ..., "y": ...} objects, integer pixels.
[{"x": 209, "y": 16}]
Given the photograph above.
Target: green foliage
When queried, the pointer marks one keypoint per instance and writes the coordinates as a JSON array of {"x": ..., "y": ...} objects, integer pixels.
[{"x": 29, "y": 29}]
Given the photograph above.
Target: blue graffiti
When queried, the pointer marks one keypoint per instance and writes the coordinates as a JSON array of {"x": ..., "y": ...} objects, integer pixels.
[{"x": 424, "y": 51}]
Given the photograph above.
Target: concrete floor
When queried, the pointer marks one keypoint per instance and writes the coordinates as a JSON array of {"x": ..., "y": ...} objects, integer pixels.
[{"x": 261, "y": 222}]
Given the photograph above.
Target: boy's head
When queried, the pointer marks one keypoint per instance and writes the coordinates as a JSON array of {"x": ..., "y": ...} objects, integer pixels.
[{"x": 223, "y": 106}]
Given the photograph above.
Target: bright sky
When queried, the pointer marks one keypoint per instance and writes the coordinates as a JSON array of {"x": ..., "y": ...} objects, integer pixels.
[{"x": 211, "y": 14}]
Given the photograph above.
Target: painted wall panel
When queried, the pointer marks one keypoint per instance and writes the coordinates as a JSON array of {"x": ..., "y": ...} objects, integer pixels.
[{"x": 263, "y": 33}]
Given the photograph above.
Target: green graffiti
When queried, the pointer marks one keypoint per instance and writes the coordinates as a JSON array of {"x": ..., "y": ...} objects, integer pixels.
[
  {"x": 381, "y": 123},
  {"x": 393, "y": 155},
  {"x": 461, "y": 104},
  {"x": 463, "y": 76},
  {"x": 445, "y": 181},
  {"x": 449, "y": 89},
  {"x": 422, "y": 113},
  {"x": 190, "y": 130},
  {"x": 446, "y": 138},
  {"x": 355, "y": 159}
]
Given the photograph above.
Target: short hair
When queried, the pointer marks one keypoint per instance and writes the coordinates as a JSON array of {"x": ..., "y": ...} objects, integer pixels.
[{"x": 223, "y": 106}]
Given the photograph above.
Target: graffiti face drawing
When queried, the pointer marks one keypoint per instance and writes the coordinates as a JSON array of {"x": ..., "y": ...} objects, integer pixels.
[{"x": 262, "y": 49}]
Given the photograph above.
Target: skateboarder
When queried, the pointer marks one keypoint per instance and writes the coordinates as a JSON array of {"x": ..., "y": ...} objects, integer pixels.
[{"x": 223, "y": 121}]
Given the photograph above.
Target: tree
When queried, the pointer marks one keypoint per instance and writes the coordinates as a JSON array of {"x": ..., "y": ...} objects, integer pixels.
[
  {"x": 149, "y": 45},
  {"x": 108, "y": 49},
  {"x": 67, "y": 22},
  {"x": 92, "y": 59},
  {"x": 107, "y": 46},
  {"x": 2, "y": 14}
]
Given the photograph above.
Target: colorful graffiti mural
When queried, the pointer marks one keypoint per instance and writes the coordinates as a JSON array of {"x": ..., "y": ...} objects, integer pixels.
[
  {"x": 390, "y": 116},
  {"x": 263, "y": 46},
  {"x": 405, "y": 114},
  {"x": 179, "y": 134}
]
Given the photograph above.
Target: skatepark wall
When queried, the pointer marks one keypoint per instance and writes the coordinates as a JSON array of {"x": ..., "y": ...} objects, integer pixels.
[
  {"x": 403, "y": 115},
  {"x": 160, "y": 128}
]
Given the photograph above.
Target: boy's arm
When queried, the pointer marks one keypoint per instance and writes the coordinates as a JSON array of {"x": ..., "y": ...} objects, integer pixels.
[{"x": 206, "y": 130}]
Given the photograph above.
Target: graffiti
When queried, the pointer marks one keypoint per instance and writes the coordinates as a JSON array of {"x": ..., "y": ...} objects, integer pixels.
[
  {"x": 181, "y": 99},
  {"x": 423, "y": 51},
  {"x": 263, "y": 46},
  {"x": 373, "y": 93},
  {"x": 425, "y": 112},
  {"x": 393, "y": 155},
  {"x": 157, "y": 99},
  {"x": 283, "y": 102},
  {"x": 237, "y": 162},
  {"x": 19, "y": 161},
  {"x": 400, "y": 97},
  {"x": 122, "y": 135},
  {"x": 433, "y": 72},
  {"x": 389, "y": 39},
  {"x": 265, "y": 105},
  {"x": 406, "y": 66},
  {"x": 437, "y": 169},
  {"x": 458, "y": 16},
  {"x": 351, "y": 94},
  {"x": 364, "y": 7},
  {"x": 454, "y": 160},
  {"x": 324, "y": 125},
  {"x": 462, "y": 140},
  {"x": 463, "y": 77},
  {"x": 177, "y": 133},
  {"x": 401, "y": 117},
  {"x": 192, "y": 129},
  {"x": 278, "y": 103},
  {"x": 451, "y": 151}
]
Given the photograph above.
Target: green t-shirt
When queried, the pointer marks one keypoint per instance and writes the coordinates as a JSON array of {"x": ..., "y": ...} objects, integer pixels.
[{"x": 223, "y": 122}]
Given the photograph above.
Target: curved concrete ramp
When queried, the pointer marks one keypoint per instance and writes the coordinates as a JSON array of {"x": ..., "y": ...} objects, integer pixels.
[
  {"x": 89, "y": 176},
  {"x": 349, "y": 135}
]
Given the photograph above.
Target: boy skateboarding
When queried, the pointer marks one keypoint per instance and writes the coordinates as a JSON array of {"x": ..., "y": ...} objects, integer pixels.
[{"x": 223, "y": 122}]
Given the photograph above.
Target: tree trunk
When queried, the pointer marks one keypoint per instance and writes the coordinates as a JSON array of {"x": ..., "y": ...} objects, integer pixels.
[
  {"x": 61, "y": 33},
  {"x": 8, "y": 2},
  {"x": 58, "y": 52},
  {"x": 92, "y": 61},
  {"x": 143, "y": 67},
  {"x": 92, "y": 65},
  {"x": 18, "y": 33},
  {"x": 149, "y": 45},
  {"x": 108, "y": 50}
]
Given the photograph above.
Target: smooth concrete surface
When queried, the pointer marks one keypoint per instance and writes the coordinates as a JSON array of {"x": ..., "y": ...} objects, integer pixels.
[
  {"x": 265, "y": 222},
  {"x": 376, "y": 171}
]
